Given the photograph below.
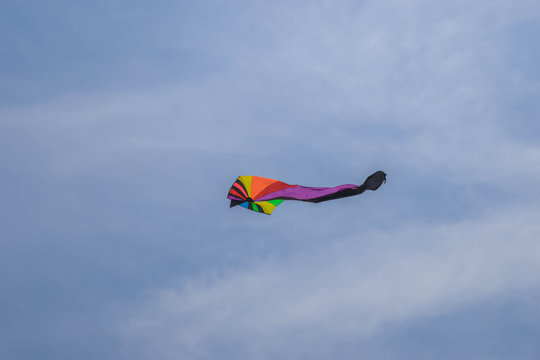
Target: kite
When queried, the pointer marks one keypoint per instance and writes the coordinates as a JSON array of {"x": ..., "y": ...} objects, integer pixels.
[{"x": 263, "y": 195}]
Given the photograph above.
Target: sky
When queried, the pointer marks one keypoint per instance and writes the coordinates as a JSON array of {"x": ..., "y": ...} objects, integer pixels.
[{"x": 123, "y": 124}]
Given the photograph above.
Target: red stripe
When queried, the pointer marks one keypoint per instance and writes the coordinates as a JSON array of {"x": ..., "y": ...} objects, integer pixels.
[
  {"x": 236, "y": 193},
  {"x": 278, "y": 185},
  {"x": 240, "y": 187}
]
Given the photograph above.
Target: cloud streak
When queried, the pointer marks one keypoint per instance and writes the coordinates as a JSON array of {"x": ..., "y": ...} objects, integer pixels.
[
  {"x": 349, "y": 291},
  {"x": 117, "y": 164}
]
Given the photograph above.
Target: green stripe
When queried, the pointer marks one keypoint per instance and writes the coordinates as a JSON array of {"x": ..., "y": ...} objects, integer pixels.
[{"x": 275, "y": 202}]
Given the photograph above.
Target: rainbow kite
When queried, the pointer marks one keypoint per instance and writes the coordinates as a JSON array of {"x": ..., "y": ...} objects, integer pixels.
[{"x": 263, "y": 195}]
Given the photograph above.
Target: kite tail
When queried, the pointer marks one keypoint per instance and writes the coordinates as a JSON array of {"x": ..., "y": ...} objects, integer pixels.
[{"x": 373, "y": 182}]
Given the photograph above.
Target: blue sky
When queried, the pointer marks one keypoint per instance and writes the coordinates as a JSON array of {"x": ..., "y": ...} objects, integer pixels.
[{"x": 123, "y": 124}]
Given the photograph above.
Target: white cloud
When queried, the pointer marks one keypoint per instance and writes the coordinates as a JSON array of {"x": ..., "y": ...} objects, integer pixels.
[
  {"x": 428, "y": 74},
  {"x": 416, "y": 87},
  {"x": 349, "y": 290}
]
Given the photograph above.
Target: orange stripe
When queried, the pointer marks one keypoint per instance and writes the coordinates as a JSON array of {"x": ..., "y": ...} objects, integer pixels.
[{"x": 262, "y": 186}]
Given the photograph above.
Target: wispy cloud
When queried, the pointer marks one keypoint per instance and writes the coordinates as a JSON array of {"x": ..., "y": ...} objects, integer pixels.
[
  {"x": 131, "y": 151},
  {"x": 351, "y": 290}
]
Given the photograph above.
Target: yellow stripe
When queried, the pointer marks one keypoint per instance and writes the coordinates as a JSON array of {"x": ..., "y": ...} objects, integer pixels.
[
  {"x": 266, "y": 206},
  {"x": 246, "y": 180}
]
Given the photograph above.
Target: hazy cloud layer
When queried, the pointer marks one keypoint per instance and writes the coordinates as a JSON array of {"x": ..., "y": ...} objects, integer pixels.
[
  {"x": 346, "y": 291},
  {"x": 123, "y": 125}
]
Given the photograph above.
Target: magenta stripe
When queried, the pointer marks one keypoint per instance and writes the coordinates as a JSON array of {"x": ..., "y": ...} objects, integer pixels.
[
  {"x": 234, "y": 197},
  {"x": 305, "y": 193}
]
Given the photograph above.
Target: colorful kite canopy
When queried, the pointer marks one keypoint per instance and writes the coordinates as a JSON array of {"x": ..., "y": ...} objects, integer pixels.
[{"x": 263, "y": 195}]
